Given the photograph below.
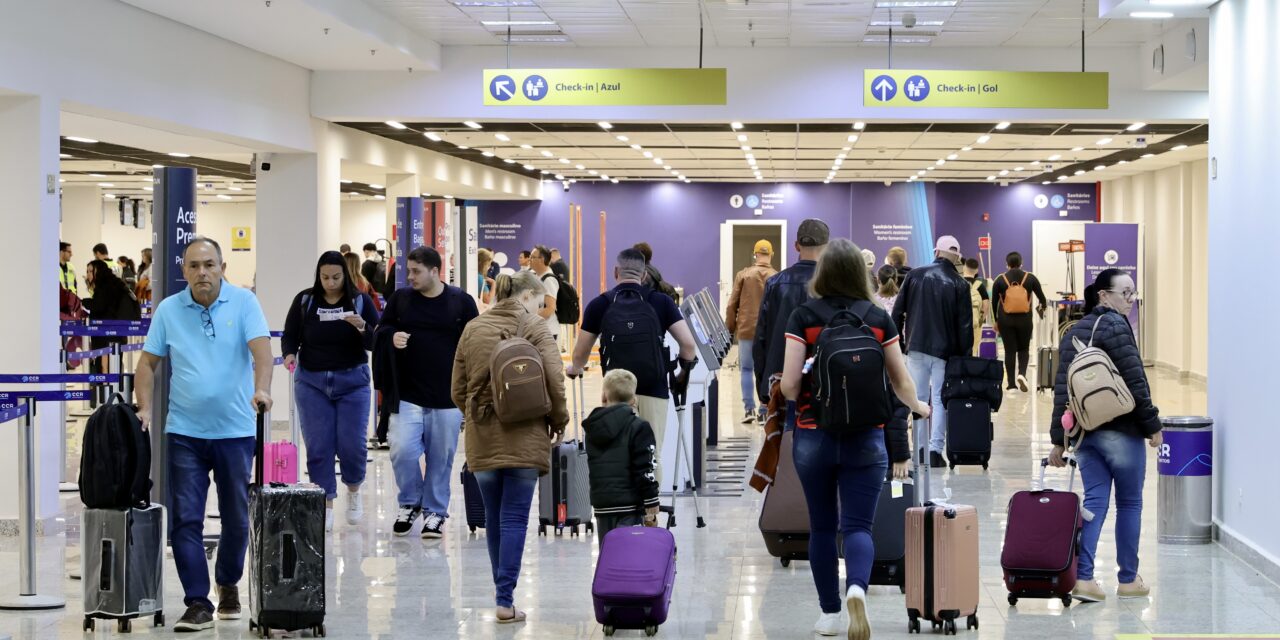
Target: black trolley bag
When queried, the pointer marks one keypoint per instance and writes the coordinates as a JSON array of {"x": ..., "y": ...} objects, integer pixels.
[{"x": 286, "y": 553}]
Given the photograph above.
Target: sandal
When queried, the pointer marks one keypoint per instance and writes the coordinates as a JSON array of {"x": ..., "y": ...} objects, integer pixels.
[{"x": 516, "y": 616}]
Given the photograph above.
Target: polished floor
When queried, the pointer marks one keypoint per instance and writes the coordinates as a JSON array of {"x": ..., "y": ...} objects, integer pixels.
[{"x": 727, "y": 585}]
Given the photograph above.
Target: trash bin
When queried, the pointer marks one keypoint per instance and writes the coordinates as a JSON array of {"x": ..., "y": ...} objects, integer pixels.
[{"x": 1185, "y": 465}]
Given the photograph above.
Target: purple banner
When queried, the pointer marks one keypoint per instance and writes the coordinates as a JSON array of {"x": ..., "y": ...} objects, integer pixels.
[
  {"x": 1186, "y": 453},
  {"x": 410, "y": 233},
  {"x": 1112, "y": 245}
]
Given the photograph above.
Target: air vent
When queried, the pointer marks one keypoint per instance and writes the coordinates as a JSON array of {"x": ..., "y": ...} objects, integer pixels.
[{"x": 901, "y": 32}]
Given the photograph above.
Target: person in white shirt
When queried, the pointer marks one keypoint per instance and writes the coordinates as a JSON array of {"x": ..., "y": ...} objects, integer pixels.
[{"x": 540, "y": 263}]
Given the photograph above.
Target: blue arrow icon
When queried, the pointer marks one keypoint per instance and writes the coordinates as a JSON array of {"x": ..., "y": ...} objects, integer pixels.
[
  {"x": 884, "y": 88},
  {"x": 502, "y": 88}
]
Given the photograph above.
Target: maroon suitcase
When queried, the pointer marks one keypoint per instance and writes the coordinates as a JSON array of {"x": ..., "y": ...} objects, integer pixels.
[{"x": 1042, "y": 541}]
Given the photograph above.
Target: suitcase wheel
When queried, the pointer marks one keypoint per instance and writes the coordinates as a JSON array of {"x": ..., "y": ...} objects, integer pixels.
[
  {"x": 1066, "y": 601},
  {"x": 1013, "y": 600},
  {"x": 591, "y": 528},
  {"x": 971, "y": 622},
  {"x": 318, "y": 631},
  {"x": 902, "y": 588},
  {"x": 88, "y": 624},
  {"x": 651, "y": 630},
  {"x": 949, "y": 628},
  {"x": 124, "y": 626},
  {"x": 609, "y": 629},
  {"x": 473, "y": 529},
  {"x": 913, "y": 626},
  {"x": 542, "y": 529},
  {"x": 573, "y": 531},
  {"x": 786, "y": 562},
  {"x": 159, "y": 620},
  {"x": 984, "y": 466}
]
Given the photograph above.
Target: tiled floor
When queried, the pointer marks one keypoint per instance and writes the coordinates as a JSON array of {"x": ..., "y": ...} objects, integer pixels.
[{"x": 727, "y": 585}]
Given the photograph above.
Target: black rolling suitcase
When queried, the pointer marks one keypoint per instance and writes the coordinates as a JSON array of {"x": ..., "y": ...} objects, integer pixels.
[
  {"x": 969, "y": 432},
  {"x": 472, "y": 501},
  {"x": 889, "y": 534},
  {"x": 286, "y": 553}
]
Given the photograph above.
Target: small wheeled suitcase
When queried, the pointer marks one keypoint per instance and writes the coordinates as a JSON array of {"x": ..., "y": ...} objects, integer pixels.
[
  {"x": 987, "y": 344},
  {"x": 889, "y": 536},
  {"x": 564, "y": 494},
  {"x": 472, "y": 500},
  {"x": 1042, "y": 541},
  {"x": 286, "y": 553},
  {"x": 122, "y": 565},
  {"x": 634, "y": 577},
  {"x": 784, "y": 516},
  {"x": 969, "y": 432},
  {"x": 281, "y": 463},
  {"x": 942, "y": 561}
]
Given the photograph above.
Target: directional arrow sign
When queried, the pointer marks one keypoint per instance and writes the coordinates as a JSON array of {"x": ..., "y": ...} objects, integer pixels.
[
  {"x": 884, "y": 88},
  {"x": 502, "y": 88}
]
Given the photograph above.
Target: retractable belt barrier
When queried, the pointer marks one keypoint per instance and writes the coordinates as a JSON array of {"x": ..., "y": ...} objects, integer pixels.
[
  {"x": 27, "y": 597},
  {"x": 59, "y": 378},
  {"x": 87, "y": 355},
  {"x": 13, "y": 413}
]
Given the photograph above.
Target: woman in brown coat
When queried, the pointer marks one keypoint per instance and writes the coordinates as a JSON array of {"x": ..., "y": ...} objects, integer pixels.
[{"x": 508, "y": 458}]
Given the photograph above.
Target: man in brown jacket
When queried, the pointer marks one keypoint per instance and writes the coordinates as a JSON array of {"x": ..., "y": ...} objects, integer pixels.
[{"x": 740, "y": 317}]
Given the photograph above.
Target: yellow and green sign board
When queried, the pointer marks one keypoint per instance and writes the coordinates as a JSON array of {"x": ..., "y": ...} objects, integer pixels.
[
  {"x": 984, "y": 89},
  {"x": 603, "y": 87}
]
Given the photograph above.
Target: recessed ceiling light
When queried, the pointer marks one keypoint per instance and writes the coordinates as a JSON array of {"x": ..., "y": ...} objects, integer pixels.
[
  {"x": 900, "y": 39},
  {"x": 234, "y": 189},
  {"x": 637, "y": 147},
  {"x": 953, "y": 156},
  {"x": 853, "y": 138},
  {"x": 105, "y": 184},
  {"x": 157, "y": 166},
  {"x": 375, "y": 186},
  {"x": 79, "y": 139},
  {"x": 1047, "y": 182},
  {"x": 1100, "y": 167},
  {"x": 1080, "y": 172},
  {"x": 1018, "y": 168},
  {"x": 941, "y": 161},
  {"x": 594, "y": 172},
  {"x": 842, "y": 156},
  {"x": 528, "y": 167},
  {"x": 564, "y": 161},
  {"x": 1179, "y": 147},
  {"x": 657, "y": 161},
  {"x": 223, "y": 196},
  {"x": 735, "y": 125},
  {"x": 144, "y": 188},
  {"x": 984, "y": 139},
  {"x": 1061, "y": 178},
  {"x": 473, "y": 124},
  {"x": 448, "y": 197},
  {"x": 1103, "y": 142},
  {"x": 1004, "y": 172},
  {"x": 648, "y": 154},
  {"x": 547, "y": 154},
  {"x": 395, "y": 125},
  {"x": 605, "y": 125},
  {"x": 109, "y": 196},
  {"x": 432, "y": 136},
  {"x": 581, "y": 167},
  {"x": 604, "y": 176},
  {"x": 966, "y": 149},
  {"x": 898, "y": 23},
  {"x": 64, "y": 155},
  {"x": 1003, "y": 125},
  {"x": 1123, "y": 162},
  {"x": 623, "y": 139},
  {"x": 1035, "y": 163},
  {"x": 1135, "y": 126},
  {"x": 1148, "y": 155},
  {"x": 920, "y": 173},
  {"x": 1153, "y": 15},
  {"x": 686, "y": 180},
  {"x": 559, "y": 176},
  {"x": 487, "y": 153},
  {"x": 746, "y": 147},
  {"x": 1077, "y": 148},
  {"x": 518, "y": 23},
  {"x": 508, "y": 161},
  {"x": 991, "y": 177},
  {"x": 463, "y": 147},
  {"x": 526, "y": 146},
  {"x": 615, "y": 181},
  {"x": 846, "y": 148},
  {"x": 97, "y": 175},
  {"x": 502, "y": 137},
  {"x": 742, "y": 137},
  {"x": 1055, "y": 157},
  {"x": 179, "y": 155},
  {"x": 859, "y": 126},
  {"x": 666, "y": 167}
]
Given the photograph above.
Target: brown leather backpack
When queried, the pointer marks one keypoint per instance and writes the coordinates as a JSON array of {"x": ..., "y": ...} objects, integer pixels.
[{"x": 518, "y": 379}]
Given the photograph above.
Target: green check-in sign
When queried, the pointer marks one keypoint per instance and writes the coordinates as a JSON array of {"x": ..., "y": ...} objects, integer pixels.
[
  {"x": 985, "y": 89},
  {"x": 603, "y": 87}
]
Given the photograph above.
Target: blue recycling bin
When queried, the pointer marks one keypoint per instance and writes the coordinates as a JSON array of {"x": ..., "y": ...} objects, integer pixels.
[{"x": 1185, "y": 492}]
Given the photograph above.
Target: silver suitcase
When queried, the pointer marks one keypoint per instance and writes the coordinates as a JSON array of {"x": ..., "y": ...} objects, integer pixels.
[
  {"x": 564, "y": 494},
  {"x": 122, "y": 565}
]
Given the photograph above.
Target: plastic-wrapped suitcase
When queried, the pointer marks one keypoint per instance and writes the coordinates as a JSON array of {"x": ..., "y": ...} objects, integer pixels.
[
  {"x": 564, "y": 494},
  {"x": 472, "y": 501},
  {"x": 942, "y": 560},
  {"x": 634, "y": 578},
  {"x": 122, "y": 565},
  {"x": 1042, "y": 541},
  {"x": 286, "y": 553},
  {"x": 969, "y": 432}
]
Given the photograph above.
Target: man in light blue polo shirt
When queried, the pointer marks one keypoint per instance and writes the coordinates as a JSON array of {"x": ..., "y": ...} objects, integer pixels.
[{"x": 219, "y": 351}]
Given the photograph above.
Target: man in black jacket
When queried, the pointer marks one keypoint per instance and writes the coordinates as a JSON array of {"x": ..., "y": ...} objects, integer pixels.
[
  {"x": 782, "y": 294},
  {"x": 622, "y": 458},
  {"x": 933, "y": 314}
]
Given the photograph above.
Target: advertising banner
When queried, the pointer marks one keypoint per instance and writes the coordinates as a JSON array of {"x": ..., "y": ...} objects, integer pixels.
[
  {"x": 1113, "y": 245},
  {"x": 1186, "y": 453},
  {"x": 603, "y": 87},
  {"x": 409, "y": 233},
  {"x": 174, "y": 210},
  {"x": 985, "y": 89}
]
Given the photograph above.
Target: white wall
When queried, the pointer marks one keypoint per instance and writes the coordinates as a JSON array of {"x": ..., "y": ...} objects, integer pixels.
[
  {"x": 1173, "y": 205},
  {"x": 362, "y": 221},
  {"x": 215, "y": 220},
  {"x": 1242, "y": 253}
]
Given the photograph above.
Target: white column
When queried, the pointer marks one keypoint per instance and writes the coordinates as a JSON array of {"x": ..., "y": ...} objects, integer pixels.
[
  {"x": 29, "y": 181},
  {"x": 81, "y": 226}
]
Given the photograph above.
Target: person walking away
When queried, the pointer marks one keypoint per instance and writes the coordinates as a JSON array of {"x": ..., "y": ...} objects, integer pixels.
[
  {"x": 631, "y": 321},
  {"x": 352, "y": 262},
  {"x": 374, "y": 267},
  {"x": 653, "y": 278},
  {"x": 1111, "y": 455},
  {"x": 220, "y": 362},
  {"x": 558, "y": 266},
  {"x": 508, "y": 457},
  {"x": 540, "y": 264},
  {"x": 128, "y": 271},
  {"x": 897, "y": 258},
  {"x": 622, "y": 456},
  {"x": 887, "y": 287},
  {"x": 740, "y": 317},
  {"x": 933, "y": 313},
  {"x": 979, "y": 300},
  {"x": 66, "y": 272},
  {"x": 842, "y": 467},
  {"x": 1012, "y": 300},
  {"x": 783, "y": 294},
  {"x": 328, "y": 333},
  {"x": 426, "y": 320}
]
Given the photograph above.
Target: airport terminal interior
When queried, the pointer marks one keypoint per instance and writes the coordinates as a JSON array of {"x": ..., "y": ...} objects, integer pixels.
[{"x": 1118, "y": 150}]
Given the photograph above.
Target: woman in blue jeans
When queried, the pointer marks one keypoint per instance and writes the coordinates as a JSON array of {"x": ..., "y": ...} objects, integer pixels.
[
  {"x": 507, "y": 458},
  {"x": 842, "y": 472},
  {"x": 327, "y": 334},
  {"x": 1112, "y": 454}
]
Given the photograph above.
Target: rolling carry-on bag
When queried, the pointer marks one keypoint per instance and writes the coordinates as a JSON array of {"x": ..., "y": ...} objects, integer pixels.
[
  {"x": 942, "y": 560},
  {"x": 784, "y": 516},
  {"x": 969, "y": 432},
  {"x": 1047, "y": 358},
  {"x": 987, "y": 345},
  {"x": 635, "y": 574},
  {"x": 889, "y": 535},
  {"x": 472, "y": 501},
  {"x": 286, "y": 552},
  {"x": 1042, "y": 541},
  {"x": 564, "y": 494},
  {"x": 122, "y": 565},
  {"x": 281, "y": 465}
]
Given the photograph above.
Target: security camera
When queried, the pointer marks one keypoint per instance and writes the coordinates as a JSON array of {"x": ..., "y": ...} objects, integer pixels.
[
  {"x": 566, "y": 186},
  {"x": 261, "y": 162},
  {"x": 909, "y": 19}
]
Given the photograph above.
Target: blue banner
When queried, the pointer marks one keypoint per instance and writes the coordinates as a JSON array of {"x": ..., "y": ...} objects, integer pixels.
[
  {"x": 1186, "y": 453},
  {"x": 174, "y": 215},
  {"x": 411, "y": 233},
  {"x": 9, "y": 399},
  {"x": 85, "y": 355},
  {"x": 12, "y": 413},
  {"x": 100, "y": 332},
  {"x": 59, "y": 378}
]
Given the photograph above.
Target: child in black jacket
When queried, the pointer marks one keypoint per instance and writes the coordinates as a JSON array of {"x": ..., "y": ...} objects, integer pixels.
[{"x": 621, "y": 456}]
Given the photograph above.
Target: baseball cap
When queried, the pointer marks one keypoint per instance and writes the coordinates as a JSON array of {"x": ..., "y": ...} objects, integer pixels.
[
  {"x": 948, "y": 244},
  {"x": 813, "y": 233},
  {"x": 764, "y": 246}
]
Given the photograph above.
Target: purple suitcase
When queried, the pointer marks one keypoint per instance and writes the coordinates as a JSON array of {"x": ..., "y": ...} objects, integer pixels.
[
  {"x": 635, "y": 573},
  {"x": 987, "y": 344},
  {"x": 1042, "y": 542}
]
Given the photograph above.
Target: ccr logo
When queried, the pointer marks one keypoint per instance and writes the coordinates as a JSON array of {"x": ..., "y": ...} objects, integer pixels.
[{"x": 1041, "y": 201}]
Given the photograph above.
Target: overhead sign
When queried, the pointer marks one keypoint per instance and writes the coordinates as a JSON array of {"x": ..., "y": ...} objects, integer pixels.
[
  {"x": 603, "y": 87},
  {"x": 985, "y": 89}
]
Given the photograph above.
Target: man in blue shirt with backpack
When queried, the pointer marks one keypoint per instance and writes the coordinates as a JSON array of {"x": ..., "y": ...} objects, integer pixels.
[{"x": 631, "y": 321}]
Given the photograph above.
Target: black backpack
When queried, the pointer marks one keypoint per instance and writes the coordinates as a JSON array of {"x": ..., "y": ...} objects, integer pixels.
[
  {"x": 568, "y": 306},
  {"x": 631, "y": 338},
  {"x": 848, "y": 379},
  {"x": 115, "y": 458}
]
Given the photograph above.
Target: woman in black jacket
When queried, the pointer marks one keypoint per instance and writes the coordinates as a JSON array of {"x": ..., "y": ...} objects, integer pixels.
[{"x": 1112, "y": 454}]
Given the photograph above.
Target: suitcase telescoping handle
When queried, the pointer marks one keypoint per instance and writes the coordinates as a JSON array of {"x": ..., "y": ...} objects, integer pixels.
[
  {"x": 1071, "y": 481},
  {"x": 919, "y": 456},
  {"x": 260, "y": 446}
]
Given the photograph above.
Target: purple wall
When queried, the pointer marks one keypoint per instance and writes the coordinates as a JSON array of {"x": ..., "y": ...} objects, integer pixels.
[{"x": 681, "y": 221}]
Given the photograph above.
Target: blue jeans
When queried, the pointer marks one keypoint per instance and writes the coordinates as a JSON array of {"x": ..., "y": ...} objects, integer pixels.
[
  {"x": 928, "y": 374},
  {"x": 746, "y": 369},
  {"x": 1108, "y": 457},
  {"x": 190, "y": 462},
  {"x": 842, "y": 475},
  {"x": 418, "y": 431},
  {"x": 508, "y": 496},
  {"x": 333, "y": 413}
]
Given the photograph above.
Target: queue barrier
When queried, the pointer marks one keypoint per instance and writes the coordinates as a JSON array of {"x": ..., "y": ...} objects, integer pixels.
[
  {"x": 28, "y": 599},
  {"x": 87, "y": 355}
]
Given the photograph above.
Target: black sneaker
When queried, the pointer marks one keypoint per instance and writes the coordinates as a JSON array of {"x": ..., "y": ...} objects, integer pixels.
[
  {"x": 433, "y": 526},
  {"x": 228, "y": 603},
  {"x": 762, "y": 415},
  {"x": 405, "y": 519},
  {"x": 936, "y": 460},
  {"x": 197, "y": 618},
  {"x": 749, "y": 418}
]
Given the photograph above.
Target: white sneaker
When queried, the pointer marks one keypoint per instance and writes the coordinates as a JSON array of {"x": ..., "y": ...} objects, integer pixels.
[
  {"x": 829, "y": 624},
  {"x": 856, "y": 604},
  {"x": 328, "y": 519},
  {"x": 355, "y": 507},
  {"x": 1022, "y": 384}
]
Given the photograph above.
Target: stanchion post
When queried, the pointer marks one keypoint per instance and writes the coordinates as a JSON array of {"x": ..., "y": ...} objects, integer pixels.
[{"x": 27, "y": 598}]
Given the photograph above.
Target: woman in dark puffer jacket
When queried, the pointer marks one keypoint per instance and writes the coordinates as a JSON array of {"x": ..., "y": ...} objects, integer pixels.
[{"x": 1113, "y": 453}]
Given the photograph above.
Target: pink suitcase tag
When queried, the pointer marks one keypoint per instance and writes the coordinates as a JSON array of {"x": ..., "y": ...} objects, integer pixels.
[{"x": 280, "y": 463}]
